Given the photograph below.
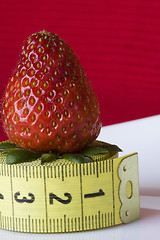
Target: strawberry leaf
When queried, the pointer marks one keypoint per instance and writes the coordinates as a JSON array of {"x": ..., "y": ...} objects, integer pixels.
[
  {"x": 7, "y": 145},
  {"x": 48, "y": 157},
  {"x": 107, "y": 146},
  {"x": 21, "y": 155},
  {"x": 77, "y": 158},
  {"x": 90, "y": 150}
]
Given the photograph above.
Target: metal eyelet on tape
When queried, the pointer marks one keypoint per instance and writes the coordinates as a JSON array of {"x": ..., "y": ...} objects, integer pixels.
[{"x": 61, "y": 196}]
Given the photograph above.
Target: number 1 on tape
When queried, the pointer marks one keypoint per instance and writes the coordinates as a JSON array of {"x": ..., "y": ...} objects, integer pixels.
[{"x": 68, "y": 197}]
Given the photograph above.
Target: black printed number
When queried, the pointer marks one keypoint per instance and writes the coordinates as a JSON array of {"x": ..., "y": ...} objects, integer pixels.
[
  {"x": 68, "y": 198},
  {"x": 64, "y": 201},
  {"x": 97, "y": 194},
  {"x": 29, "y": 199},
  {"x": 1, "y": 196}
]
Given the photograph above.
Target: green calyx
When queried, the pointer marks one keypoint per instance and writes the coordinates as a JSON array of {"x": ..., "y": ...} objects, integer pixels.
[
  {"x": 101, "y": 150},
  {"x": 21, "y": 155},
  {"x": 4, "y": 146},
  {"x": 77, "y": 158}
]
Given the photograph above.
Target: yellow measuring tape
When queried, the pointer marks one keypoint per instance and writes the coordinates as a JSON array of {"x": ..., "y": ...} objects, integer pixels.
[{"x": 62, "y": 196}]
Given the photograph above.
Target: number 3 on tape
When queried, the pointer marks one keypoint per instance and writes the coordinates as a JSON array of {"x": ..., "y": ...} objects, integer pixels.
[{"x": 63, "y": 196}]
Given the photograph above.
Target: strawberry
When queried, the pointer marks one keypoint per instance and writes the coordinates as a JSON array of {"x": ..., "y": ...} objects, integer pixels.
[{"x": 49, "y": 104}]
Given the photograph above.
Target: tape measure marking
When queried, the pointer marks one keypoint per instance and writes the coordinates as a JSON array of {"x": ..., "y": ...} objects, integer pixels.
[
  {"x": 67, "y": 197},
  {"x": 113, "y": 194},
  {"x": 11, "y": 184},
  {"x": 45, "y": 194}
]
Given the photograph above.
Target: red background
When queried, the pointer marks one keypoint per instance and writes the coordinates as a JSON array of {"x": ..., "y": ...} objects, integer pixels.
[{"x": 117, "y": 42}]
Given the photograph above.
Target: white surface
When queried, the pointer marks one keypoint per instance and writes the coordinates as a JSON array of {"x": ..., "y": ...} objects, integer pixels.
[{"x": 142, "y": 136}]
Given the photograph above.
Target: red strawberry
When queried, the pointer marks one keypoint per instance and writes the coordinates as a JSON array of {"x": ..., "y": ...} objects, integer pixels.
[{"x": 49, "y": 103}]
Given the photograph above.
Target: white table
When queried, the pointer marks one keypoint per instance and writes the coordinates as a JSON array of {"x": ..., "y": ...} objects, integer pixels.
[{"x": 142, "y": 136}]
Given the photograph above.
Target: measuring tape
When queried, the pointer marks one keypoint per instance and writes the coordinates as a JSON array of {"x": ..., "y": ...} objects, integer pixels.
[{"x": 62, "y": 196}]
